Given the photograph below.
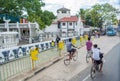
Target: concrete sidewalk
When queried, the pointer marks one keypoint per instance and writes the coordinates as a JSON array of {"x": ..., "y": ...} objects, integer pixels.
[{"x": 60, "y": 72}]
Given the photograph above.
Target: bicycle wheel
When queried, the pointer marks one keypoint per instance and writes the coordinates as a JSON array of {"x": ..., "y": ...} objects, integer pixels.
[
  {"x": 75, "y": 56},
  {"x": 93, "y": 72},
  {"x": 66, "y": 59}
]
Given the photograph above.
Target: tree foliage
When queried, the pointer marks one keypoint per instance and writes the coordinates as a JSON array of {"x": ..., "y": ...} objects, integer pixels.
[
  {"x": 31, "y": 7},
  {"x": 98, "y": 15}
]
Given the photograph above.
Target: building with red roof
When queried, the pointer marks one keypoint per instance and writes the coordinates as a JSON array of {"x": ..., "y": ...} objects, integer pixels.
[
  {"x": 65, "y": 24},
  {"x": 69, "y": 19}
]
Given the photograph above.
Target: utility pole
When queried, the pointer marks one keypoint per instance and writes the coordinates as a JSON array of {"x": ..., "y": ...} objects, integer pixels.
[{"x": 6, "y": 23}]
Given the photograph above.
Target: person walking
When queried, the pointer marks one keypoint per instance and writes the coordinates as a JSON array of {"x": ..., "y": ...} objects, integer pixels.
[{"x": 57, "y": 41}]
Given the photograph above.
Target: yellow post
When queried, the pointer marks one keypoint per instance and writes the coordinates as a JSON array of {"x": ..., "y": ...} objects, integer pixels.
[
  {"x": 81, "y": 40},
  {"x": 34, "y": 56},
  {"x": 61, "y": 46},
  {"x": 33, "y": 65},
  {"x": 53, "y": 44},
  {"x": 74, "y": 41},
  {"x": 86, "y": 37}
]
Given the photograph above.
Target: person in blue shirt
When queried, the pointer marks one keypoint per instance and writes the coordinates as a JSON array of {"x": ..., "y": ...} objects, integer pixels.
[{"x": 70, "y": 48}]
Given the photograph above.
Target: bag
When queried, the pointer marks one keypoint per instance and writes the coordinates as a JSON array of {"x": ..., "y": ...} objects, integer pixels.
[{"x": 101, "y": 55}]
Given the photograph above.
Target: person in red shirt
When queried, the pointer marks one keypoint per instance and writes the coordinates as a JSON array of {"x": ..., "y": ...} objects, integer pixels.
[{"x": 89, "y": 45}]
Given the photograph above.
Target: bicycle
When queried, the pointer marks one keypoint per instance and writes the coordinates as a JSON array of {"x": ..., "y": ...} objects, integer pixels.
[
  {"x": 94, "y": 69},
  {"x": 67, "y": 57},
  {"x": 88, "y": 56}
]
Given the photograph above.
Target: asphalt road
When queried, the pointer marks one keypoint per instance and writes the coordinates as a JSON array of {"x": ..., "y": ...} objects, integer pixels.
[{"x": 111, "y": 68}]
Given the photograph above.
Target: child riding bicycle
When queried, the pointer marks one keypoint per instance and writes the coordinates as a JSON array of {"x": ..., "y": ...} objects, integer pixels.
[
  {"x": 97, "y": 56},
  {"x": 89, "y": 46},
  {"x": 70, "y": 48}
]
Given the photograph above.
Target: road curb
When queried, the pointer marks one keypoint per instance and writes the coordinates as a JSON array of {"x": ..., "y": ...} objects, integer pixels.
[{"x": 41, "y": 69}]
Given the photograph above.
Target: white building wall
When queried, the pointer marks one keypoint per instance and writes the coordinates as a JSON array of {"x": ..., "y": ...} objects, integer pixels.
[
  {"x": 61, "y": 15},
  {"x": 68, "y": 24},
  {"x": 52, "y": 28},
  {"x": 63, "y": 26},
  {"x": 79, "y": 27},
  {"x": 71, "y": 26},
  {"x": 86, "y": 29},
  {"x": 75, "y": 25},
  {"x": 64, "y": 30}
]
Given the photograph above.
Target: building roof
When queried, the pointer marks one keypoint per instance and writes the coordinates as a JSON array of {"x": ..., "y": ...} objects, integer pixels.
[
  {"x": 63, "y": 9},
  {"x": 69, "y": 19}
]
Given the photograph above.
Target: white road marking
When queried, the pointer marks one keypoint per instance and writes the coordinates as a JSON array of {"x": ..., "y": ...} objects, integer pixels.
[
  {"x": 86, "y": 78},
  {"x": 89, "y": 74}
]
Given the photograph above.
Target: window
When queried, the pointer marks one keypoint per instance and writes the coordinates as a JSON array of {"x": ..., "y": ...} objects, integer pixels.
[
  {"x": 70, "y": 23},
  {"x": 63, "y": 24},
  {"x": 58, "y": 12},
  {"x": 63, "y": 11},
  {"x": 68, "y": 11}
]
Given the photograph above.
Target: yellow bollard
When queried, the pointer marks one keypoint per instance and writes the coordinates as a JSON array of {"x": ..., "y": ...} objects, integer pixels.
[
  {"x": 81, "y": 40},
  {"x": 86, "y": 37},
  {"x": 74, "y": 41},
  {"x": 61, "y": 46},
  {"x": 34, "y": 56},
  {"x": 33, "y": 65},
  {"x": 53, "y": 43}
]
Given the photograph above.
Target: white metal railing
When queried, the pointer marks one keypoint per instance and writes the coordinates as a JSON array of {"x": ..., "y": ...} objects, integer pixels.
[
  {"x": 20, "y": 25},
  {"x": 2, "y": 25},
  {"x": 23, "y": 63}
]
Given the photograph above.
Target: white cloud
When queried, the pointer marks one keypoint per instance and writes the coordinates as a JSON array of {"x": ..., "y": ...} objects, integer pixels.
[{"x": 75, "y": 5}]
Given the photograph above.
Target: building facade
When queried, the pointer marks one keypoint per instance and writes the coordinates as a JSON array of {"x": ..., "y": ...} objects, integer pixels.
[{"x": 66, "y": 25}]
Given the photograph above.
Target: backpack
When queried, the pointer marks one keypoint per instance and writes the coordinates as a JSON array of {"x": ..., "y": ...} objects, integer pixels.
[{"x": 101, "y": 56}]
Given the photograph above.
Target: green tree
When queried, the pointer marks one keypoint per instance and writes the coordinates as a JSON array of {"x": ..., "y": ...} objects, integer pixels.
[
  {"x": 31, "y": 7},
  {"x": 82, "y": 12},
  {"x": 98, "y": 14}
]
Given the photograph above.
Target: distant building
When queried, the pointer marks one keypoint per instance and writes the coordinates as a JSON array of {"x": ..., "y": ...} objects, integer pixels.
[
  {"x": 25, "y": 33},
  {"x": 63, "y": 12},
  {"x": 66, "y": 25}
]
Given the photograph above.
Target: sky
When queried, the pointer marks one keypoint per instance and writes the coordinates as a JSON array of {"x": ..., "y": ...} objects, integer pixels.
[{"x": 75, "y": 5}]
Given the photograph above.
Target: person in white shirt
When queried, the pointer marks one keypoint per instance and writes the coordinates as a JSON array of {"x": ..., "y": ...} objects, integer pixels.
[{"x": 96, "y": 56}]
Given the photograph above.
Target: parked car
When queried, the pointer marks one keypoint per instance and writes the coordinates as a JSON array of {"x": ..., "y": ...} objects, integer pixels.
[{"x": 110, "y": 31}]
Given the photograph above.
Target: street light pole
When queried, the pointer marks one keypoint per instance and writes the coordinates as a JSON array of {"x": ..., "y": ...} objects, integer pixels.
[
  {"x": 6, "y": 23},
  {"x": 30, "y": 38}
]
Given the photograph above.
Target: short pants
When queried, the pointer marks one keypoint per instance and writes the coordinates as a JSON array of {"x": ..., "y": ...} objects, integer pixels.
[
  {"x": 98, "y": 61},
  {"x": 72, "y": 50}
]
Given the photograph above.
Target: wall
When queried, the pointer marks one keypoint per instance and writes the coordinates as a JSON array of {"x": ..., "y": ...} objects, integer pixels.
[
  {"x": 13, "y": 53},
  {"x": 51, "y": 28},
  {"x": 61, "y": 15}
]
